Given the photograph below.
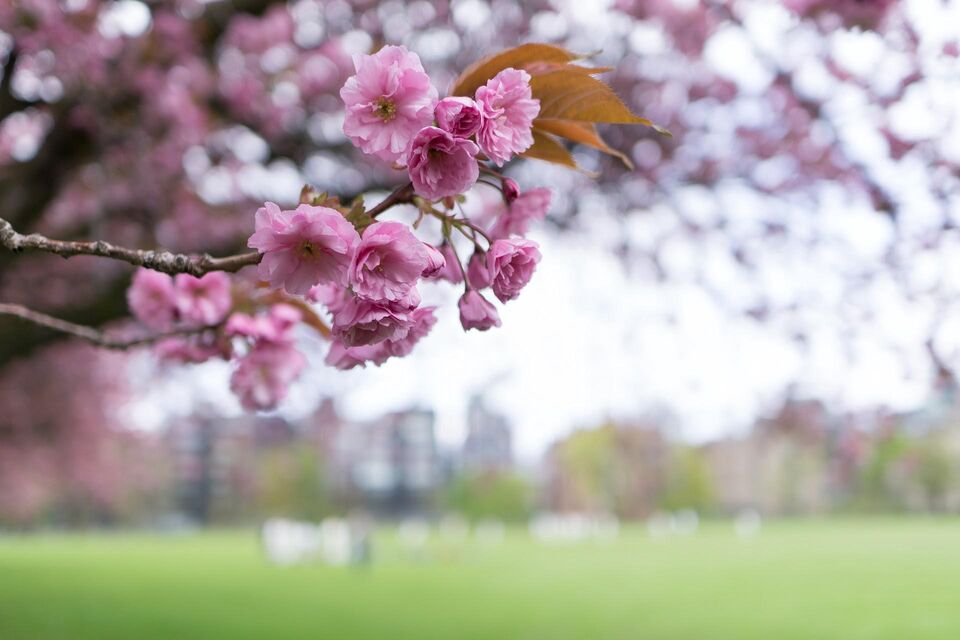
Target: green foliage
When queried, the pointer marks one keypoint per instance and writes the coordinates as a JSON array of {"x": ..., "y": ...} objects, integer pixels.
[
  {"x": 688, "y": 482},
  {"x": 290, "y": 482},
  {"x": 504, "y": 496}
]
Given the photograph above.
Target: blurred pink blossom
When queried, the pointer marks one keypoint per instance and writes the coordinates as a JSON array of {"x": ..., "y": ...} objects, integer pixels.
[
  {"x": 263, "y": 376},
  {"x": 529, "y": 206},
  {"x": 205, "y": 300},
  {"x": 152, "y": 299}
]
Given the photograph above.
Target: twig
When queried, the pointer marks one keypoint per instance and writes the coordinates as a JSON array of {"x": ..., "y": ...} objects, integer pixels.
[
  {"x": 165, "y": 261},
  {"x": 400, "y": 195},
  {"x": 90, "y": 334}
]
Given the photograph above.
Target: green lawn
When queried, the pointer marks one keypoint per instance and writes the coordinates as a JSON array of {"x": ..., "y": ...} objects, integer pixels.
[{"x": 847, "y": 579}]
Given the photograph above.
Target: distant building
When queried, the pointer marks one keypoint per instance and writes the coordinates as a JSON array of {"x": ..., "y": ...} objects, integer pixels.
[
  {"x": 390, "y": 463},
  {"x": 489, "y": 442},
  {"x": 213, "y": 462}
]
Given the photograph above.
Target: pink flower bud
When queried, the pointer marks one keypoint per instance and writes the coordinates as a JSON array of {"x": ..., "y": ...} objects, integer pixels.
[
  {"x": 476, "y": 312},
  {"x": 478, "y": 275},
  {"x": 510, "y": 189},
  {"x": 451, "y": 271},
  {"x": 437, "y": 262},
  {"x": 458, "y": 116}
]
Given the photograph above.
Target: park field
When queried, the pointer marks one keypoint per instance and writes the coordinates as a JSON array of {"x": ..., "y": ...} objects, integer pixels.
[{"x": 849, "y": 579}]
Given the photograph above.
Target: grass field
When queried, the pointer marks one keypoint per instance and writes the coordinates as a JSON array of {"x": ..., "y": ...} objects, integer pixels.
[{"x": 847, "y": 579}]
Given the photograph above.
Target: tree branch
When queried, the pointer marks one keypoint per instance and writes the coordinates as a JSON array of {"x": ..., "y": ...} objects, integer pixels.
[
  {"x": 89, "y": 334},
  {"x": 165, "y": 261},
  {"x": 400, "y": 195}
]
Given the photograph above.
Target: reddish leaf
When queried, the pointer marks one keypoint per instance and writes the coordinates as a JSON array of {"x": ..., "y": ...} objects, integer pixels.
[
  {"x": 570, "y": 95},
  {"x": 546, "y": 147},
  {"x": 580, "y": 132},
  {"x": 482, "y": 70}
]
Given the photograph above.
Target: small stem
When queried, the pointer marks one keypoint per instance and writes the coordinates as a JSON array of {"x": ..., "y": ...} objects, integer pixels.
[
  {"x": 466, "y": 281},
  {"x": 460, "y": 223},
  {"x": 90, "y": 334},
  {"x": 493, "y": 172}
]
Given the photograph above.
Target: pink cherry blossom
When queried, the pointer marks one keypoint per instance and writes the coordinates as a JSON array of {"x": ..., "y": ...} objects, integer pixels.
[
  {"x": 387, "y": 102},
  {"x": 388, "y": 263},
  {"x": 511, "y": 263},
  {"x": 422, "y": 321},
  {"x": 152, "y": 299},
  {"x": 203, "y": 301},
  {"x": 192, "y": 350},
  {"x": 458, "y": 116},
  {"x": 476, "y": 312},
  {"x": 303, "y": 247},
  {"x": 451, "y": 271},
  {"x": 478, "y": 274},
  {"x": 529, "y": 206},
  {"x": 362, "y": 322},
  {"x": 441, "y": 165},
  {"x": 263, "y": 376},
  {"x": 274, "y": 326},
  {"x": 508, "y": 111},
  {"x": 342, "y": 356}
]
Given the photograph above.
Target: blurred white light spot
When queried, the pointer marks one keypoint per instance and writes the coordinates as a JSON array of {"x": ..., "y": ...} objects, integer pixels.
[
  {"x": 436, "y": 44},
  {"x": 470, "y": 14},
  {"x": 356, "y": 41},
  {"x": 128, "y": 18},
  {"x": 731, "y": 55},
  {"x": 547, "y": 25}
]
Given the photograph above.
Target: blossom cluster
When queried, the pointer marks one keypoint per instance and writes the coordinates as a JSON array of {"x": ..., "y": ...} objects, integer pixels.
[
  {"x": 366, "y": 272},
  {"x": 392, "y": 112}
]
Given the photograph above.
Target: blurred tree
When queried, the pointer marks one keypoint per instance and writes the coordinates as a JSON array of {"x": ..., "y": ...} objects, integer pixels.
[
  {"x": 688, "y": 482},
  {"x": 291, "y": 482},
  {"x": 490, "y": 495}
]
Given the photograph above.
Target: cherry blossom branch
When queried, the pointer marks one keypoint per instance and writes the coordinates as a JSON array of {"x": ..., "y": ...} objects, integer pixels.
[
  {"x": 90, "y": 334},
  {"x": 165, "y": 261},
  {"x": 400, "y": 195}
]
